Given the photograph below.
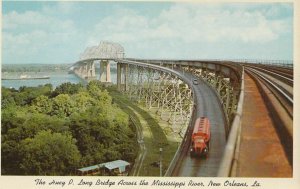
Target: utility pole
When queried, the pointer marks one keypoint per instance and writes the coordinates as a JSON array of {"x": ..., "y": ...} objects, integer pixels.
[{"x": 160, "y": 163}]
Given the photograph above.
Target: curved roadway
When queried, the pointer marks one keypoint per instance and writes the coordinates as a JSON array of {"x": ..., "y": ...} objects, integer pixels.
[{"x": 207, "y": 105}]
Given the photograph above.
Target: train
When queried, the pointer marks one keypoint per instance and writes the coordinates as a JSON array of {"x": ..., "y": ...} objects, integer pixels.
[{"x": 200, "y": 137}]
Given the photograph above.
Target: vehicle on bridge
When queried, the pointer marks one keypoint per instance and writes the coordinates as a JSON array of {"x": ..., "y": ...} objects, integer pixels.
[
  {"x": 195, "y": 82},
  {"x": 200, "y": 137}
]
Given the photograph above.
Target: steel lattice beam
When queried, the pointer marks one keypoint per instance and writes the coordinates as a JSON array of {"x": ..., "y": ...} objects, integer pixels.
[{"x": 166, "y": 93}]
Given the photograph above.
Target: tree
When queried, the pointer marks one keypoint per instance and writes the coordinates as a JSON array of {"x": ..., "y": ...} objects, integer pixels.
[
  {"x": 68, "y": 88},
  {"x": 49, "y": 154},
  {"x": 82, "y": 101},
  {"x": 40, "y": 130},
  {"x": 12, "y": 117},
  {"x": 62, "y": 105},
  {"x": 95, "y": 83},
  {"x": 25, "y": 95},
  {"x": 7, "y": 97},
  {"x": 42, "y": 104},
  {"x": 10, "y": 158}
]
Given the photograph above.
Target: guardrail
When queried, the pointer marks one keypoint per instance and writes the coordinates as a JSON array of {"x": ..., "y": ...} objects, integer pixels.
[{"x": 228, "y": 157}]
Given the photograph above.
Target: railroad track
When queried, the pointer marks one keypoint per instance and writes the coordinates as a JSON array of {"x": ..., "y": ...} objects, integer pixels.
[
  {"x": 268, "y": 132},
  {"x": 282, "y": 70},
  {"x": 266, "y": 140},
  {"x": 281, "y": 90},
  {"x": 278, "y": 97},
  {"x": 283, "y": 74}
]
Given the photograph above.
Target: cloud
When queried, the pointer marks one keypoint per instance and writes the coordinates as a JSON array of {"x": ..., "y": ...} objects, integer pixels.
[
  {"x": 13, "y": 20},
  {"x": 191, "y": 24},
  {"x": 194, "y": 23},
  {"x": 31, "y": 20},
  {"x": 180, "y": 30},
  {"x": 30, "y": 34},
  {"x": 61, "y": 7}
]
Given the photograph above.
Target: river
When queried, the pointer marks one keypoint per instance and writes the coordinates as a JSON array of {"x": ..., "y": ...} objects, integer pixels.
[{"x": 56, "y": 78}]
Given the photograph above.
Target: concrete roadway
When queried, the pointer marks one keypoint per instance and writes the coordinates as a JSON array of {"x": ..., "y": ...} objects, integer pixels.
[{"x": 207, "y": 105}]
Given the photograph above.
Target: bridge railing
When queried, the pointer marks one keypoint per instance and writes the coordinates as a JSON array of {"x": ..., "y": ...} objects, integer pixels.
[{"x": 232, "y": 143}]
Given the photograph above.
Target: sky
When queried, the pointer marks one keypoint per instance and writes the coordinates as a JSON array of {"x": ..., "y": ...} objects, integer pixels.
[{"x": 57, "y": 32}]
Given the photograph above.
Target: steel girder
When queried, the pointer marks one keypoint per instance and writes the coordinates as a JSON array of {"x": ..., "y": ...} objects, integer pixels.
[
  {"x": 227, "y": 81},
  {"x": 171, "y": 98},
  {"x": 221, "y": 84}
]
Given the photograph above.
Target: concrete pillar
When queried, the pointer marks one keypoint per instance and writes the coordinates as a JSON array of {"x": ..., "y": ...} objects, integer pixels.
[
  {"x": 93, "y": 69},
  {"x": 126, "y": 77},
  {"x": 102, "y": 79},
  {"x": 87, "y": 70},
  {"x": 108, "y": 79},
  {"x": 84, "y": 70},
  {"x": 81, "y": 72},
  {"x": 105, "y": 71},
  {"x": 119, "y": 76}
]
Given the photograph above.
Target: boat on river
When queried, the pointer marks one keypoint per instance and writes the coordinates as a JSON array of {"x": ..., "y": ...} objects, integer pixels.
[{"x": 26, "y": 77}]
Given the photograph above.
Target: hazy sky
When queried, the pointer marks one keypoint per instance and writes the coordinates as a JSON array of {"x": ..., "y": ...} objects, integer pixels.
[{"x": 57, "y": 32}]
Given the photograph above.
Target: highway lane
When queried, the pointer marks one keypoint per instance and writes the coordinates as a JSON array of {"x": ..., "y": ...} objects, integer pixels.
[{"x": 208, "y": 105}]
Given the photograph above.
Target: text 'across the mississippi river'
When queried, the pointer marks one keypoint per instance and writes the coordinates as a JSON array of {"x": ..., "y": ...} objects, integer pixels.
[{"x": 144, "y": 182}]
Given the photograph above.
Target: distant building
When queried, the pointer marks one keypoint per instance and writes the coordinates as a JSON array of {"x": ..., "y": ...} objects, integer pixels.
[{"x": 113, "y": 168}]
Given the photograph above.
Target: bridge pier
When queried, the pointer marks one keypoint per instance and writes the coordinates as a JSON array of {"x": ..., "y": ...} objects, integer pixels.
[
  {"x": 125, "y": 69},
  {"x": 80, "y": 72},
  {"x": 122, "y": 77},
  {"x": 91, "y": 72},
  {"x": 86, "y": 71},
  {"x": 119, "y": 76},
  {"x": 105, "y": 71}
]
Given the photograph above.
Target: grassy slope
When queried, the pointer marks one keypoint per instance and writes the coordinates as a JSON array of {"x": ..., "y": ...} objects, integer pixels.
[{"x": 154, "y": 135}]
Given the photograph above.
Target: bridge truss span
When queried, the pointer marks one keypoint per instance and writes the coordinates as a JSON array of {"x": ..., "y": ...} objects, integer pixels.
[
  {"x": 223, "y": 77},
  {"x": 206, "y": 100},
  {"x": 159, "y": 89},
  {"x": 167, "y": 87},
  {"x": 179, "y": 91}
]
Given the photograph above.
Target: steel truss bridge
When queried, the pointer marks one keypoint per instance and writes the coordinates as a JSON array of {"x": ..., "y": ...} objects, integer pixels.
[{"x": 167, "y": 86}]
